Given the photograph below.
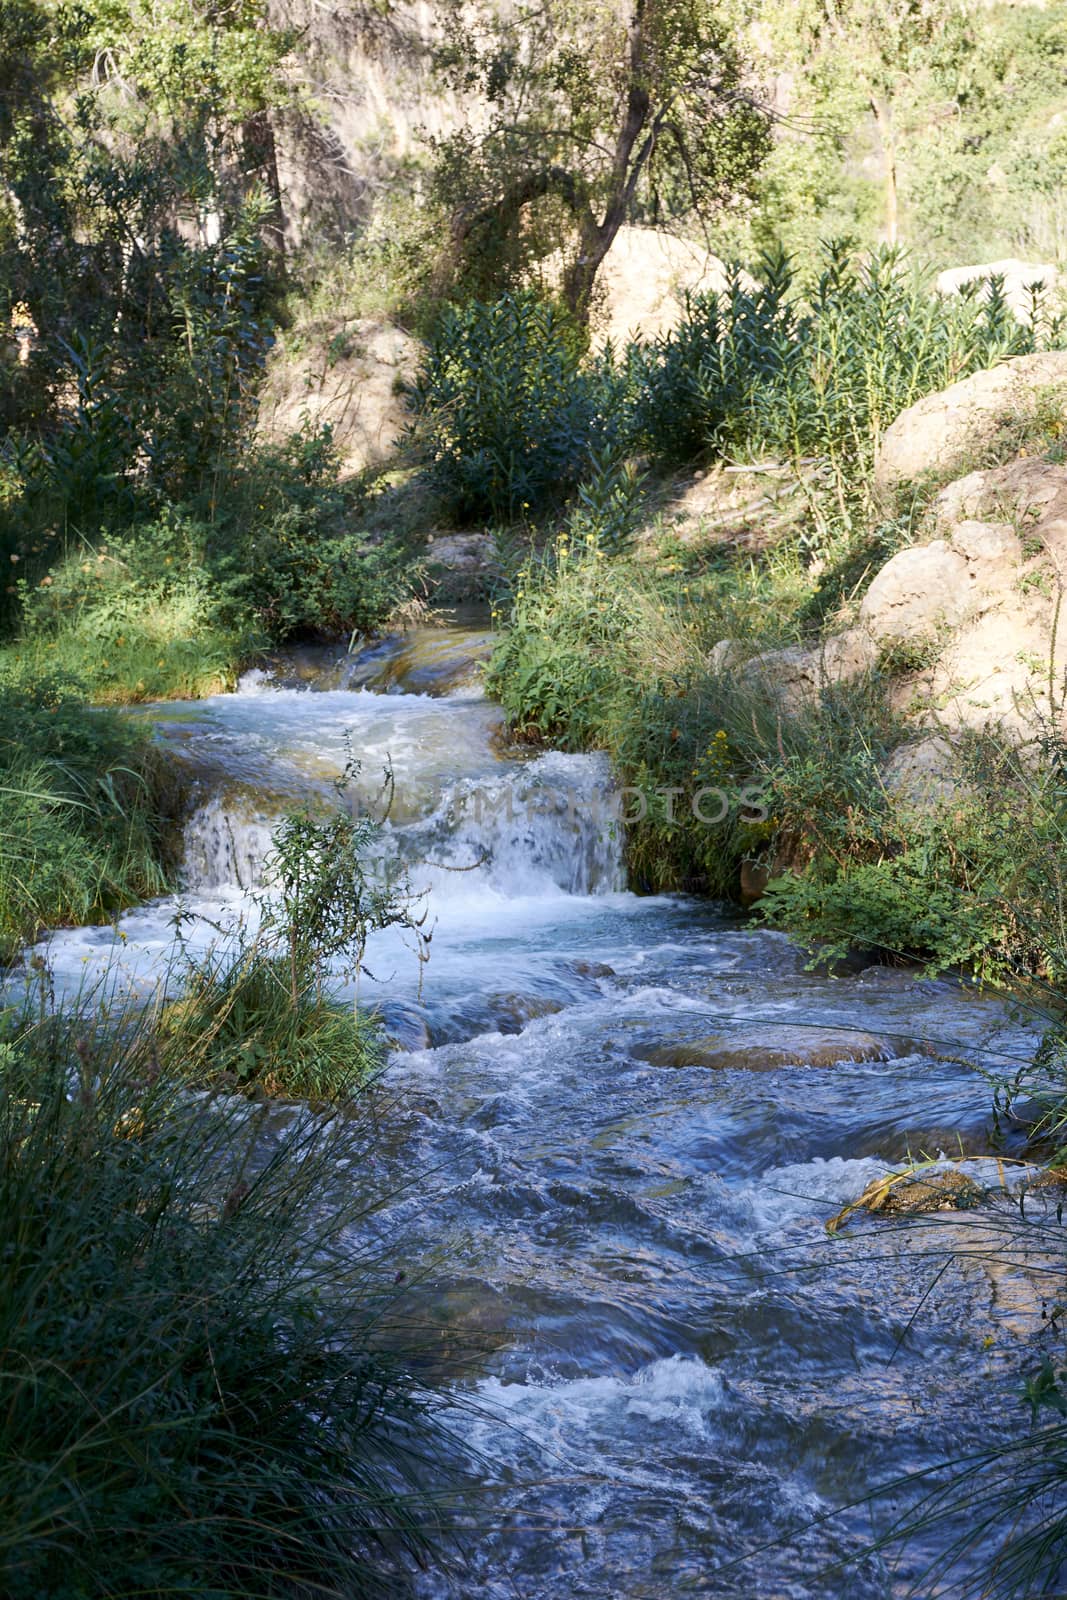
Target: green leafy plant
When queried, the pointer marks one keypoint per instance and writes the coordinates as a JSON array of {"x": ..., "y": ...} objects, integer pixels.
[{"x": 505, "y": 414}]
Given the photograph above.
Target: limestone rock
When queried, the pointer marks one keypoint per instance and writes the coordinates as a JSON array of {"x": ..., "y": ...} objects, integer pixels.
[
  {"x": 461, "y": 552},
  {"x": 796, "y": 674},
  {"x": 725, "y": 655},
  {"x": 923, "y": 771},
  {"x": 764, "y": 1049},
  {"x": 946, "y": 430},
  {"x": 917, "y": 593},
  {"x": 642, "y": 285}
]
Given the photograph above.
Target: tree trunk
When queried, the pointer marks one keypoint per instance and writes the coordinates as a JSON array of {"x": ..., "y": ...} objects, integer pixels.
[{"x": 884, "y": 123}]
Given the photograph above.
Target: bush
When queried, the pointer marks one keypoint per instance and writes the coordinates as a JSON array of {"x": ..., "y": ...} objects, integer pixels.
[
  {"x": 506, "y": 414},
  {"x": 281, "y": 543},
  {"x": 84, "y": 803},
  {"x": 258, "y": 1017},
  {"x": 205, "y": 1389}
]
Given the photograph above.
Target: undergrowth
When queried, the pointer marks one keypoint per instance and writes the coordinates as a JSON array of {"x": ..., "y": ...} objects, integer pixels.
[{"x": 208, "y": 1384}]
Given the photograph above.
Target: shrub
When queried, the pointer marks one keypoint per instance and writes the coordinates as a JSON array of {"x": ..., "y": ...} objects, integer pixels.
[
  {"x": 280, "y": 541},
  {"x": 258, "y": 1016},
  {"x": 781, "y": 368},
  {"x": 506, "y": 416},
  {"x": 206, "y": 1390}
]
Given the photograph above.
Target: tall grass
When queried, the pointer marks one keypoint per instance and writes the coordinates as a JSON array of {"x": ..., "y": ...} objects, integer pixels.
[
  {"x": 208, "y": 1389},
  {"x": 84, "y": 807}
]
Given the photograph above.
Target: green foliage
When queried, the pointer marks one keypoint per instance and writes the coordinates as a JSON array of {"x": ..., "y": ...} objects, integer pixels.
[
  {"x": 207, "y": 1390},
  {"x": 83, "y": 801},
  {"x": 238, "y": 1027},
  {"x": 793, "y": 371},
  {"x": 922, "y": 92},
  {"x": 506, "y": 414},
  {"x": 286, "y": 554},
  {"x": 257, "y": 1016},
  {"x": 327, "y": 895},
  {"x": 139, "y": 617}
]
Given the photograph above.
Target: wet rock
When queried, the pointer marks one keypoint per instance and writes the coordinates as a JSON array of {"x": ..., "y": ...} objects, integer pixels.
[
  {"x": 937, "y": 1191},
  {"x": 511, "y": 1012},
  {"x": 405, "y": 1028},
  {"x": 591, "y": 969},
  {"x": 765, "y": 1049}
]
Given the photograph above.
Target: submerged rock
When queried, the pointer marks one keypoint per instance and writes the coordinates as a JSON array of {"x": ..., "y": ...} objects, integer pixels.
[
  {"x": 937, "y": 1191},
  {"x": 766, "y": 1049}
]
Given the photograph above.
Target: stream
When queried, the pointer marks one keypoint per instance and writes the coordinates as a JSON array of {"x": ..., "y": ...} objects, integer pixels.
[{"x": 678, "y": 1374}]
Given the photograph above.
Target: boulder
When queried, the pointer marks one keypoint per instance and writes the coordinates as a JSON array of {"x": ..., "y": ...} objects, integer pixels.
[
  {"x": 642, "y": 284},
  {"x": 946, "y": 431},
  {"x": 468, "y": 553},
  {"x": 1021, "y": 493},
  {"x": 923, "y": 771},
  {"x": 918, "y": 593},
  {"x": 765, "y": 1049},
  {"x": 1017, "y": 276},
  {"x": 797, "y": 674}
]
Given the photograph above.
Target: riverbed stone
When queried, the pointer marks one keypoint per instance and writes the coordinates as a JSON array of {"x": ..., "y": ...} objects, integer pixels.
[
  {"x": 765, "y": 1049},
  {"x": 933, "y": 1191}
]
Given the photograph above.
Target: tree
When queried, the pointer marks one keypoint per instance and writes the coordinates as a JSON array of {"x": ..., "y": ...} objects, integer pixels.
[
  {"x": 890, "y": 58},
  {"x": 598, "y": 112}
]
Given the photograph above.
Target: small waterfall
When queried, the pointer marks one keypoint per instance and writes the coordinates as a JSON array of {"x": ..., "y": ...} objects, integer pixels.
[
  {"x": 545, "y": 826},
  {"x": 224, "y": 846}
]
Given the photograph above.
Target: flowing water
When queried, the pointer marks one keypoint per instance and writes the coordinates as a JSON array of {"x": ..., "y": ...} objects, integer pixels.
[{"x": 677, "y": 1374}]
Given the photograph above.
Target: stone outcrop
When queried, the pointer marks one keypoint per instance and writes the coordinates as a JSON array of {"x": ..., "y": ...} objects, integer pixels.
[
  {"x": 951, "y": 430},
  {"x": 918, "y": 592},
  {"x": 797, "y": 674},
  {"x": 923, "y": 771},
  {"x": 642, "y": 285},
  {"x": 999, "y": 661},
  {"x": 765, "y": 1049}
]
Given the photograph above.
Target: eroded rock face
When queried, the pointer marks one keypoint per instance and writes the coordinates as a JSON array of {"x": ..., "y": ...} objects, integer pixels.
[
  {"x": 769, "y": 1048},
  {"x": 350, "y": 376},
  {"x": 946, "y": 431}
]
